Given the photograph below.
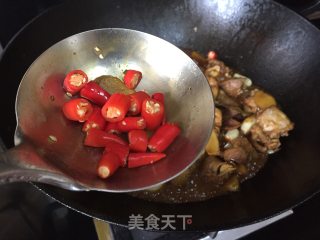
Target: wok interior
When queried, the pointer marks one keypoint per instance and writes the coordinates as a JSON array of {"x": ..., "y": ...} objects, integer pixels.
[
  {"x": 109, "y": 52},
  {"x": 281, "y": 54}
]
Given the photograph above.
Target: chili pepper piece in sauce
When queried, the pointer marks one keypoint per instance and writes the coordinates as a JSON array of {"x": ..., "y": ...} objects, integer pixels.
[
  {"x": 77, "y": 109},
  {"x": 95, "y": 120},
  {"x": 99, "y": 138},
  {"x": 153, "y": 112},
  {"x": 138, "y": 140},
  {"x": 141, "y": 159},
  {"x": 163, "y": 137},
  {"x": 132, "y": 78},
  {"x": 96, "y": 94},
  {"x": 136, "y": 100},
  {"x": 108, "y": 164},
  {"x": 116, "y": 108},
  {"x": 75, "y": 81}
]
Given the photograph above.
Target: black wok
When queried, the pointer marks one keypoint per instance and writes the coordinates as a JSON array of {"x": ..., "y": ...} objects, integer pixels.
[{"x": 278, "y": 49}]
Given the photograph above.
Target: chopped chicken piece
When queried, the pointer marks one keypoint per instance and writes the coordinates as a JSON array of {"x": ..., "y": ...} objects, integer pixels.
[
  {"x": 261, "y": 141},
  {"x": 215, "y": 72},
  {"x": 235, "y": 154},
  {"x": 224, "y": 100},
  {"x": 232, "y": 87},
  {"x": 230, "y": 124},
  {"x": 274, "y": 123},
  {"x": 215, "y": 170},
  {"x": 232, "y": 117},
  {"x": 258, "y": 100},
  {"x": 234, "y": 112},
  {"x": 270, "y": 126},
  {"x": 243, "y": 142},
  {"x": 218, "y": 70},
  {"x": 247, "y": 81}
]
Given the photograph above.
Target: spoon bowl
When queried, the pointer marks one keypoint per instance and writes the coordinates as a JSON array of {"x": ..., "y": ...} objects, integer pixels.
[{"x": 49, "y": 148}]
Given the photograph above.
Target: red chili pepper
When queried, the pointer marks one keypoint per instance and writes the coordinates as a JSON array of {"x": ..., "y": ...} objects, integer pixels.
[
  {"x": 95, "y": 120},
  {"x": 141, "y": 159},
  {"x": 158, "y": 96},
  {"x": 163, "y": 137},
  {"x": 131, "y": 123},
  {"x": 153, "y": 112},
  {"x": 99, "y": 138},
  {"x": 74, "y": 81},
  {"x": 96, "y": 94},
  {"x": 108, "y": 164},
  {"x": 121, "y": 150},
  {"x": 132, "y": 78},
  {"x": 112, "y": 128},
  {"x": 116, "y": 107},
  {"x": 138, "y": 140},
  {"x": 78, "y": 109},
  {"x": 212, "y": 55},
  {"x": 136, "y": 100}
]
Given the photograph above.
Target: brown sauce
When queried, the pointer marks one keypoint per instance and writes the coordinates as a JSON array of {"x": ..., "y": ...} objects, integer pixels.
[{"x": 194, "y": 186}]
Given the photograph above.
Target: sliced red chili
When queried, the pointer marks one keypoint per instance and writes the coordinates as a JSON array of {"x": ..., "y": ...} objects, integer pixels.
[
  {"x": 158, "y": 96},
  {"x": 132, "y": 78},
  {"x": 131, "y": 123},
  {"x": 138, "y": 140},
  {"x": 108, "y": 164},
  {"x": 112, "y": 128},
  {"x": 78, "y": 109},
  {"x": 95, "y": 120},
  {"x": 96, "y": 94},
  {"x": 99, "y": 138},
  {"x": 163, "y": 137},
  {"x": 121, "y": 150},
  {"x": 116, "y": 107},
  {"x": 141, "y": 159},
  {"x": 136, "y": 100},
  {"x": 153, "y": 112},
  {"x": 74, "y": 81},
  {"x": 212, "y": 55}
]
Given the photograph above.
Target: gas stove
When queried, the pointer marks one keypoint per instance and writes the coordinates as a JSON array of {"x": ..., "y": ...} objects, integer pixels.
[{"x": 27, "y": 213}]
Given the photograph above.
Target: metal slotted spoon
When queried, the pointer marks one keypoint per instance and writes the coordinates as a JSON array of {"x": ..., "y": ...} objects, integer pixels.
[{"x": 49, "y": 148}]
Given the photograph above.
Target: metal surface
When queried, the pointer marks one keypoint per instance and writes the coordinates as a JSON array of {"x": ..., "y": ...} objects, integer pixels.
[
  {"x": 275, "y": 47},
  {"x": 66, "y": 162},
  {"x": 238, "y": 233}
]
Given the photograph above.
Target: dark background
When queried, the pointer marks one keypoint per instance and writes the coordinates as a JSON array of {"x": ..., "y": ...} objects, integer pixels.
[{"x": 27, "y": 213}]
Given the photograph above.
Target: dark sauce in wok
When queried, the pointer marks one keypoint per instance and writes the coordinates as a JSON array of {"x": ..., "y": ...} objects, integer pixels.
[{"x": 193, "y": 186}]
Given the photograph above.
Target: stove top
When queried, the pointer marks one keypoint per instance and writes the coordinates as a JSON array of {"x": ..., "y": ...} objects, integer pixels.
[{"x": 27, "y": 213}]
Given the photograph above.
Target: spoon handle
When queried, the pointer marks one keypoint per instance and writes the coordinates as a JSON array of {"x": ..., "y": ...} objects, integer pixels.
[{"x": 12, "y": 172}]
